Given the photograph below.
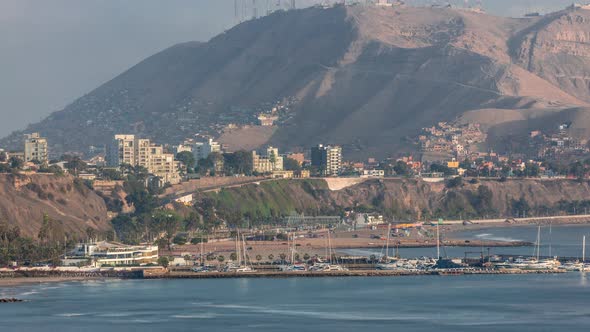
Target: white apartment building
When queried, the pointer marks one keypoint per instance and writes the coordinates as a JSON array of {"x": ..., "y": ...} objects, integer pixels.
[
  {"x": 271, "y": 162},
  {"x": 200, "y": 150},
  {"x": 327, "y": 159},
  {"x": 127, "y": 149},
  {"x": 36, "y": 148}
]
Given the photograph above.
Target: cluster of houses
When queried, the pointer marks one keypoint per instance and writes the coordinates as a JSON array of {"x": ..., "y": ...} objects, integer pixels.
[{"x": 459, "y": 140}]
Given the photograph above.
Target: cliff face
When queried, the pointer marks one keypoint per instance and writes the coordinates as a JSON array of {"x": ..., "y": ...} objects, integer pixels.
[
  {"x": 407, "y": 199},
  {"x": 25, "y": 198},
  {"x": 557, "y": 48}
]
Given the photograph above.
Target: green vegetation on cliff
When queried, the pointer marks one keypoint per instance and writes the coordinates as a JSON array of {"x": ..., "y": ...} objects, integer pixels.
[{"x": 398, "y": 199}]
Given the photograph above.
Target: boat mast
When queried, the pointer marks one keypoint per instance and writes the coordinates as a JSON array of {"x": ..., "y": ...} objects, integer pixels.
[
  {"x": 327, "y": 244},
  {"x": 293, "y": 250},
  {"x": 238, "y": 250},
  {"x": 437, "y": 240},
  {"x": 244, "y": 245},
  {"x": 550, "y": 238},
  {"x": 329, "y": 247},
  {"x": 202, "y": 261},
  {"x": 583, "y": 253},
  {"x": 387, "y": 243},
  {"x": 538, "y": 242}
]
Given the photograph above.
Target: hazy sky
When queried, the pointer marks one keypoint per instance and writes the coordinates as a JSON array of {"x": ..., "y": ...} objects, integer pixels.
[{"x": 53, "y": 51}]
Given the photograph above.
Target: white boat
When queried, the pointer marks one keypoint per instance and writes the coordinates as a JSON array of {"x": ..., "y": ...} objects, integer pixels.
[
  {"x": 294, "y": 267},
  {"x": 327, "y": 267}
]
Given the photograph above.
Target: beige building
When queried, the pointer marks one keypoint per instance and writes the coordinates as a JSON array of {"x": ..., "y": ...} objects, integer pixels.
[
  {"x": 36, "y": 148},
  {"x": 268, "y": 163},
  {"x": 134, "y": 151}
]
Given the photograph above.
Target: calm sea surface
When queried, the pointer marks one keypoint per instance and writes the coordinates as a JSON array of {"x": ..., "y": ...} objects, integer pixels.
[
  {"x": 425, "y": 303},
  {"x": 563, "y": 241},
  {"x": 464, "y": 303}
]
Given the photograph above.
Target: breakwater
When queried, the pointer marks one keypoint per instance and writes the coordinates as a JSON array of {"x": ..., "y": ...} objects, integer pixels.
[{"x": 352, "y": 273}]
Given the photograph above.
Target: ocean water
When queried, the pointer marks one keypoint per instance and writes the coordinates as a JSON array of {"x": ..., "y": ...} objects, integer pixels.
[
  {"x": 425, "y": 303},
  {"x": 562, "y": 241}
]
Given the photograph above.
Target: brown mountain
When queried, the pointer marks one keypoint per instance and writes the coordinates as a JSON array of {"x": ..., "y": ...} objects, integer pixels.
[{"x": 363, "y": 77}]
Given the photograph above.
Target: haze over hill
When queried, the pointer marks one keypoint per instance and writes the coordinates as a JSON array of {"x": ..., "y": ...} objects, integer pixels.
[{"x": 363, "y": 77}]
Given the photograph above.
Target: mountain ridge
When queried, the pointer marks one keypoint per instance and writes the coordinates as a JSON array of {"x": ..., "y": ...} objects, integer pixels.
[{"x": 366, "y": 78}]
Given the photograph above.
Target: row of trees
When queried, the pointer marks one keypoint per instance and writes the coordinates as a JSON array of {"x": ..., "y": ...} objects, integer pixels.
[
  {"x": 51, "y": 243},
  {"x": 239, "y": 162}
]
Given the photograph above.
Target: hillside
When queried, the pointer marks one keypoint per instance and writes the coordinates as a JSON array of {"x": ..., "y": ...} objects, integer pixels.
[
  {"x": 25, "y": 199},
  {"x": 363, "y": 77},
  {"x": 406, "y": 199}
]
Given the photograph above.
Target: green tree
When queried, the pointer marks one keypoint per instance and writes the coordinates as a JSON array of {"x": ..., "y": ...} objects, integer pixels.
[
  {"x": 163, "y": 261},
  {"x": 239, "y": 162},
  {"x": 272, "y": 158},
  {"x": 192, "y": 222},
  {"x": 76, "y": 165},
  {"x": 454, "y": 182},
  {"x": 401, "y": 168},
  {"x": 291, "y": 164},
  {"x": 187, "y": 159},
  {"x": 220, "y": 258},
  {"x": 16, "y": 163},
  {"x": 111, "y": 174},
  {"x": 141, "y": 199},
  {"x": 167, "y": 221},
  {"x": 233, "y": 256},
  {"x": 306, "y": 257},
  {"x": 90, "y": 233}
]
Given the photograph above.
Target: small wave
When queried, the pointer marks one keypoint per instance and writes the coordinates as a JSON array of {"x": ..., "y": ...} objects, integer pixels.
[
  {"x": 115, "y": 314},
  {"x": 491, "y": 237},
  {"x": 28, "y": 293},
  {"x": 71, "y": 314},
  {"x": 196, "y": 316},
  {"x": 483, "y": 235},
  {"x": 348, "y": 316}
]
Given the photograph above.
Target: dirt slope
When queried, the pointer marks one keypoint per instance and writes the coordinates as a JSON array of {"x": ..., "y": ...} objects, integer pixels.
[{"x": 24, "y": 199}]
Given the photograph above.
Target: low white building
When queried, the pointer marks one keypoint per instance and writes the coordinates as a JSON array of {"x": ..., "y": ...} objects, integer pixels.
[
  {"x": 115, "y": 254},
  {"x": 373, "y": 173}
]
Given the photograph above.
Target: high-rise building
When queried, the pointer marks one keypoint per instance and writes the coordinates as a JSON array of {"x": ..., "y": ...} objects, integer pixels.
[
  {"x": 36, "y": 148},
  {"x": 268, "y": 163},
  {"x": 127, "y": 149},
  {"x": 326, "y": 159}
]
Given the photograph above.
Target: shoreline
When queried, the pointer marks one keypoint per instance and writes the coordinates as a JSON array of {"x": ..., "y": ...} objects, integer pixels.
[{"x": 28, "y": 281}]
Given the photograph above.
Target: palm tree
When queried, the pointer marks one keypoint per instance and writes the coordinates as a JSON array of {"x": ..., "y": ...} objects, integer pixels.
[
  {"x": 283, "y": 257},
  {"x": 220, "y": 258},
  {"x": 271, "y": 257},
  {"x": 306, "y": 257},
  {"x": 258, "y": 258},
  {"x": 233, "y": 256}
]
